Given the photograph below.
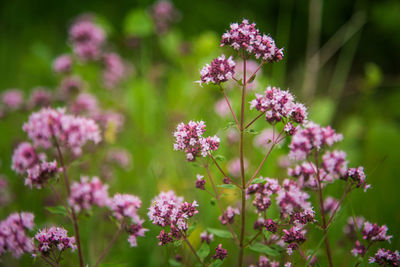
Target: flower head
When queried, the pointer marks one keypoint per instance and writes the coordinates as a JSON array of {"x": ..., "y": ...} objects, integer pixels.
[
  {"x": 228, "y": 215},
  {"x": 220, "y": 70},
  {"x": 54, "y": 238},
  {"x": 62, "y": 64},
  {"x": 220, "y": 253},
  {"x": 206, "y": 237},
  {"x": 385, "y": 257}
]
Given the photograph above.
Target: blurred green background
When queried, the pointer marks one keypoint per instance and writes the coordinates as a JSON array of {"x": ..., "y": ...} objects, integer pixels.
[{"x": 342, "y": 58}]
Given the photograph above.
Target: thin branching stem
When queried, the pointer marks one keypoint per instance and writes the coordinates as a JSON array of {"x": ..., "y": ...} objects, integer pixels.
[
  {"x": 223, "y": 173},
  {"x": 107, "y": 249},
  {"x": 230, "y": 107},
  {"x": 254, "y": 120},
  {"x": 193, "y": 250}
]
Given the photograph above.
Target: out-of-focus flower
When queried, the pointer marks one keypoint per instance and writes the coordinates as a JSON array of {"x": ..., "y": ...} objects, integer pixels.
[
  {"x": 40, "y": 173},
  {"x": 84, "y": 103},
  {"x": 200, "y": 182},
  {"x": 164, "y": 14},
  {"x": 330, "y": 204},
  {"x": 13, "y": 236},
  {"x": 12, "y": 99},
  {"x": 293, "y": 237},
  {"x": 69, "y": 86},
  {"x": 233, "y": 166},
  {"x": 121, "y": 157},
  {"x": 62, "y": 64},
  {"x": 357, "y": 176},
  {"x": 114, "y": 70},
  {"x": 374, "y": 232},
  {"x": 358, "y": 250},
  {"x": 264, "y": 139},
  {"x": 265, "y": 262},
  {"x": 221, "y": 108},
  {"x": 290, "y": 197},
  {"x": 385, "y": 257},
  {"x": 228, "y": 215},
  {"x": 85, "y": 194},
  {"x": 40, "y": 97},
  {"x": 206, "y": 237}
]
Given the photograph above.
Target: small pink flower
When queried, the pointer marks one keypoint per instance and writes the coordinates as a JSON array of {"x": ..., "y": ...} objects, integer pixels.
[
  {"x": 62, "y": 64},
  {"x": 12, "y": 99},
  {"x": 220, "y": 70}
]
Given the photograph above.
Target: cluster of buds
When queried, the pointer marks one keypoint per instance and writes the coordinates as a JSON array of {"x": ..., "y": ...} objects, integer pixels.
[
  {"x": 385, "y": 257},
  {"x": 293, "y": 237},
  {"x": 246, "y": 37},
  {"x": 263, "y": 192},
  {"x": 164, "y": 14},
  {"x": 279, "y": 105},
  {"x": 189, "y": 138},
  {"x": 168, "y": 210},
  {"x": 220, "y": 253},
  {"x": 357, "y": 177},
  {"x": 265, "y": 262},
  {"x": 291, "y": 198},
  {"x": 206, "y": 237},
  {"x": 114, "y": 70}
]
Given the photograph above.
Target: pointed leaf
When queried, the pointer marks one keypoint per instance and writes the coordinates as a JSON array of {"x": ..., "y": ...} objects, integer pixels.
[
  {"x": 204, "y": 250},
  {"x": 220, "y": 233}
]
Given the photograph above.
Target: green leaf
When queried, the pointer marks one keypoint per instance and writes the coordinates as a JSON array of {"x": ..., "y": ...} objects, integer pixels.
[
  {"x": 252, "y": 79},
  {"x": 258, "y": 181},
  {"x": 229, "y": 125},
  {"x": 195, "y": 164},
  {"x": 177, "y": 243},
  {"x": 261, "y": 248},
  {"x": 216, "y": 263},
  {"x": 173, "y": 262},
  {"x": 251, "y": 131},
  {"x": 59, "y": 210},
  {"x": 220, "y": 158},
  {"x": 227, "y": 186},
  {"x": 204, "y": 250},
  {"x": 212, "y": 201},
  {"x": 220, "y": 233},
  {"x": 138, "y": 23}
]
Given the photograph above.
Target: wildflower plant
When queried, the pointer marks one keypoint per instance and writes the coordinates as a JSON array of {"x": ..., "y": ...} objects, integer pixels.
[{"x": 267, "y": 221}]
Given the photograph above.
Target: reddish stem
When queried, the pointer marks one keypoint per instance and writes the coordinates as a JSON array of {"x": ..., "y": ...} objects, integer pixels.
[
  {"x": 255, "y": 119},
  {"x": 107, "y": 249},
  {"x": 230, "y": 107},
  {"x": 223, "y": 173}
]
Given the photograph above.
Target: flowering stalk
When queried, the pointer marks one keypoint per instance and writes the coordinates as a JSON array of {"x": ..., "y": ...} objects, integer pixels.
[
  {"x": 193, "y": 250},
  {"x": 68, "y": 189},
  {"x": 223, "y": 173},
  {"x": 230, "y": 107},
  {"x": 322, "y": 210},
  {"x": 243, "y": 213}
]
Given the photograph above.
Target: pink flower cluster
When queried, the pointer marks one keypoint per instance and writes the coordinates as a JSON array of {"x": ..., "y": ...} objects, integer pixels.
[
  {"x": 245, "y": 36},
  {"x": 114, "y": 70},
  {"x": 293, "y": 237},
  {"x": 279, "y": 105},
  {"x": 189, "y": 138},
  {"x": 220, "y": 253},
  {"x": 86, "y": 39},
  {"x": 40, "y": 97},
  {"x": 312, "y": 137},
  {"x": 126, "y": 206},
  {"x": 169, "y": 210},
  {"x": 71, "y": 131},
  {"x": 164, "y": 14},
  {"x": 62, "y": 64},
  {"x": 263, "y": 192},
  {"x": 374, "y": 232},
  {"x": 85, "y": 194},
  {"x": 291, "y": 198},
  {"x": 265, "y": 262},
  {"x": 357, "y": 176},
  {"x": 330, "y": 204},
  {"x": 220, "y": 70},
  {"x": 200, "y": 182},
  {"x": 54, "y": 238},
  {"x": 12, "y": 99},
  {"x": 206, "y": 237},
  {"x": 13, "y": 237},
  {"x": 385, "y": 257},
  {"x": 26, "y": 161},
  {"x": 228, "y": 216}
]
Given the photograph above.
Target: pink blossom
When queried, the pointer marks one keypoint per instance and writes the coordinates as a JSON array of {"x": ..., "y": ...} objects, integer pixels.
[
  {"x": 13, "y": 236},
  {"x": 221, "y": 108},
  {"x": 70, "y": 131},
  {"x": 357, "y": 176},
  {"x": 164, "y": 14},
  {"x": 265, "y": 139},
  {"x": 290, "y": 197},
  {"x": 233, "y": 166},
  {"x": 220, "y": 70},
  {"x": 278, "y": 105},
  {"x": 220, "y": 253},
  {"x": 62, "y": 64},
  {"x": 293, "y": 237},
  {"x": 385, "y": 257},
  {"x": 189, "y": 138},
  {"x": 70, "y": 85},
  {"x": 136, "y": 229},
  {"x": 84, "y": 103},
  {"x": 24, "y": 157},
  {"x": 125, "y": 205},
  {"x": 54, "y": 238},
  {"x": 200, "y": 182},
  {"x": 40, "y": 173},
  {"x": 374, "y": 232},
  {"x": 312, "y": 137},
  {"x": 121, "y": 157},
  {"x": 40, "y": 97},
  {"x": 246, "y": 36},
  {"x": 87, "y": 193},
  {"x": 265, "y": 262},
  {"x": 358, "y": 250},
  {"x": 228, "y": 215},
  {"x": 330, "y": 204},
  {"x": 12, "y": 99},
  {"x": 206, "y": 237},
  {"x": 114, "y": 70},
  {"x": 263, "y": 192}
]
